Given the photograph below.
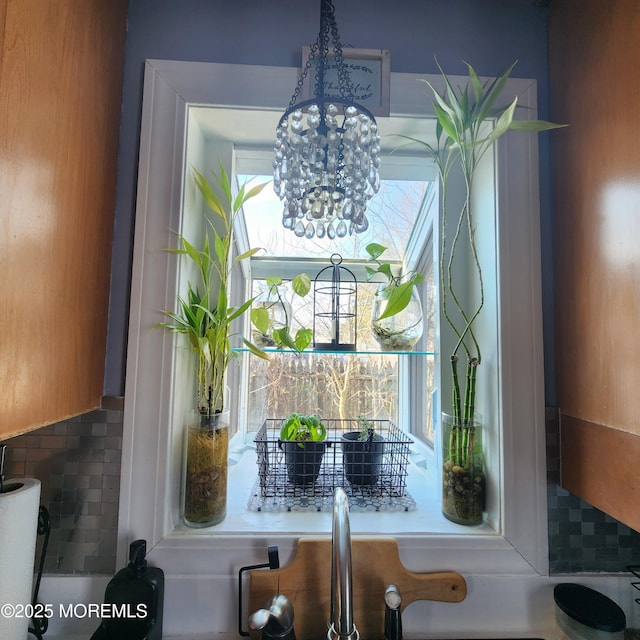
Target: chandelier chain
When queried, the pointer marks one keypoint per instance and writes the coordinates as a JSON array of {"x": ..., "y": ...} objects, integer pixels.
[
  {"x": 303, "y": 75},
  {"x": 344, "y": 80},
  {"x": 327, "y": 149}
]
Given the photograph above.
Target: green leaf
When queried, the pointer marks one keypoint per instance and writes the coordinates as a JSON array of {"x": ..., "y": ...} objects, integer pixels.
[
  {"x": 273, "y": 282},
  {"x": 535, "y": 125},
  {"x": 375, "y": 250},
  {"x": 221, "y": 251},
  {"x": 254, "y": 191},
  {"x": 475, "y": 83},
  {"x": 398, "y": 300},
  {"x": 260, "y": 319},
  {"x": 493, "y": 93},
  {"x": 303, "y": 339},
  {"x": 386, "y": 270},
  {"x": 370, "y": 273},
  {"x": 210, "y": 198},
  {"x": 446, "y": 123},
  {"x": 283, "y": 338},
  {"x": 503, "y": 123},
  {"x": 224, "y": 183},
  {"x": 236, "y": 313},
  {"x": 301, "y": 284},
  {"x": 247, "y": 254},
  {"x": 191, "y": 251},
  {"x": 253, "y": 349}
]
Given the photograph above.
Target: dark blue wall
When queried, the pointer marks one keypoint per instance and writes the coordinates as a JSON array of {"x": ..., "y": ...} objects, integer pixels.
[{"x": 490, "y": 34}]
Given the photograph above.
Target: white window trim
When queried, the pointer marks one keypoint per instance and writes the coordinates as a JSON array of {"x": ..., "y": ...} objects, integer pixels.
[{"x": 151, "y": 443}]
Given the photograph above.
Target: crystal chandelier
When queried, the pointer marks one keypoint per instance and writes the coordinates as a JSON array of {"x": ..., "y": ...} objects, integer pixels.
[{"x": 327, "y": 151}]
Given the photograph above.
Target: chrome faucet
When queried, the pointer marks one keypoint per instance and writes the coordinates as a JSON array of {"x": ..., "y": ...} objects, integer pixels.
[{"x": 341, "y": 626}]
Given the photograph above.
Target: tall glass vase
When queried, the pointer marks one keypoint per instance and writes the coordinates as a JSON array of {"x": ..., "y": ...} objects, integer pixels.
[
  {"x": 463, "y": 473},
  {"x": 205, "y": 470}
]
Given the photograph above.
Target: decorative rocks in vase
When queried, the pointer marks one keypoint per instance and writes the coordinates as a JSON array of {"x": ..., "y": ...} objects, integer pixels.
[{"x": 463, "y": 474}]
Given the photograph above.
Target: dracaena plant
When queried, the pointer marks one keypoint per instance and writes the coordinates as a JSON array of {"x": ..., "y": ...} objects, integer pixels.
[
  {"x": 469, "y": 121},
  {"x": 206, "y": 314}
]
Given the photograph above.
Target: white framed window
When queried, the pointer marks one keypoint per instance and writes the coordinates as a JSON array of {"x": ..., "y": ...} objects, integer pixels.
[{"x": 515, "y": 539}]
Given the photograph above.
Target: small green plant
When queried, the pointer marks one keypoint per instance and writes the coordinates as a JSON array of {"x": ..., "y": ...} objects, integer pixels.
[
  {"x": 400, "y": 287},
  {"x": 301, "y": 429},
  {"x": 205, "y": 315},
  {"x": 281, "y": 336},
  {"x": 367, "y": 430}
]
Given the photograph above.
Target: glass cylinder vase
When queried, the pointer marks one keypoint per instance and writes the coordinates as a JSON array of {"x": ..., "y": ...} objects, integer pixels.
[
  {"x": 463, "y": 472},
  {"x": 399, "y": 332},
  {"x": 205, "y": 473},
  {"x": 278, "y": 312}
]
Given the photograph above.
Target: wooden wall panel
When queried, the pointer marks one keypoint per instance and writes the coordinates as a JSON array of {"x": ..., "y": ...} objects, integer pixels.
[
  {"x": 594, "y": 50},
  {"x": 60, "y": 96}
]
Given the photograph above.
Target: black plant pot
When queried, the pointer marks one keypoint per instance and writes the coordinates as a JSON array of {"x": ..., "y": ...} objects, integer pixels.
[
  {"x": 362, "y": 459},
  {"x": 303, "y": 460}
]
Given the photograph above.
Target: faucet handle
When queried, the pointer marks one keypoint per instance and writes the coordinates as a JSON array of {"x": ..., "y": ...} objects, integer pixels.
[
  {"x": 392, "y": 597},
  {"x": 276, "y": 622},
  {"x": 392, "y": 617}
]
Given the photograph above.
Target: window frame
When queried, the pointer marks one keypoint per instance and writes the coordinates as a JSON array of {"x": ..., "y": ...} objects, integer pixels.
[{"x": 151, "y": 439}]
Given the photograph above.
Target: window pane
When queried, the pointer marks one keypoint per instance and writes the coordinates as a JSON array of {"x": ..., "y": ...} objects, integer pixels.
[
  {"x": 331, "y": 385},
  {"x": 392, "y": 215}
]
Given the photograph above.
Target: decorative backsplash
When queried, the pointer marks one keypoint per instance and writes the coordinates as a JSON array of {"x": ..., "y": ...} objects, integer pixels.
[{"x": 78, "y": 463}]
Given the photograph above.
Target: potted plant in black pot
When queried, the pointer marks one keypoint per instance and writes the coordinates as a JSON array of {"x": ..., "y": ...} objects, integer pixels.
[
  {"x": 362, "y": 452},
  {"x": 302, "y": 440}
]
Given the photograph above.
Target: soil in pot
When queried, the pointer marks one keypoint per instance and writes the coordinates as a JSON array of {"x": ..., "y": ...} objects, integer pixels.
[
  {"x": 362, "y": 459},
  {"x": 303, "y": 461},
  {"x": 205, "y": 488}
]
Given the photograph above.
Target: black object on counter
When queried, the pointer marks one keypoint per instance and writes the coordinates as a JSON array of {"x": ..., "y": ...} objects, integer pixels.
[
  {"x": 589, "y": 607},
  {"x": 133, "y": 600}
]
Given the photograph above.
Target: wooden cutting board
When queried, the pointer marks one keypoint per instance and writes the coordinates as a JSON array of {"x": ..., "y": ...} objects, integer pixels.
[{"x": 306, "y": 581}]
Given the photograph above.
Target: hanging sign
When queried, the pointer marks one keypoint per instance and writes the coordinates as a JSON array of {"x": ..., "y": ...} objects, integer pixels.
[{"x": 369, "y": 73}]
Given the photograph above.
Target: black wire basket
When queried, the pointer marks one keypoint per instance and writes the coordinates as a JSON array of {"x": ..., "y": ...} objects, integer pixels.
[{"x": 373, "y": 468}]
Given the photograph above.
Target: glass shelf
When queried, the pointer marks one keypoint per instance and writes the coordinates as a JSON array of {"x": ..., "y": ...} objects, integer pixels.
[{"x": 359, "y": 352}]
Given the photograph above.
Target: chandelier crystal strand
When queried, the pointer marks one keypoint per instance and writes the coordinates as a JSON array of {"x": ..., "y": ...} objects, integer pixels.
[{"x": 327, "y": 150}]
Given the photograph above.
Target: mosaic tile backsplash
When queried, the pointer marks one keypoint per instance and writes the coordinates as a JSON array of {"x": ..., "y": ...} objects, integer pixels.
[{"x": 78, "y": 463}]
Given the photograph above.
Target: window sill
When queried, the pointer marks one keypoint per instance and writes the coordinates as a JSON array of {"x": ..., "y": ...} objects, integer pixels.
[{"x": 422, "y": 486}]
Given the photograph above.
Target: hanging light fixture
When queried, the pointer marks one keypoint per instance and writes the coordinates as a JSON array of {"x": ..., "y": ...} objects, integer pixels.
[{"x": 327, "y": 151}]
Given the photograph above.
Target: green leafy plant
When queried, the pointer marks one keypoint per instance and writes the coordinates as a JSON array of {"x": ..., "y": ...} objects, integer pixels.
[
  {"x": 367, "y": 430},
  {"x": 301, "y": 428},
  {"x": 399, "y": 287},
  {"x": 205, "y": 315},
  {"x": 282, "y": 337},
  {"x": 469, "y": 123}
]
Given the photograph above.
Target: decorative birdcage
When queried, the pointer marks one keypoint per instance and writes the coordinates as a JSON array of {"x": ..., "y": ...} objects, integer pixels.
[{"x": 335, "y": 304}]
